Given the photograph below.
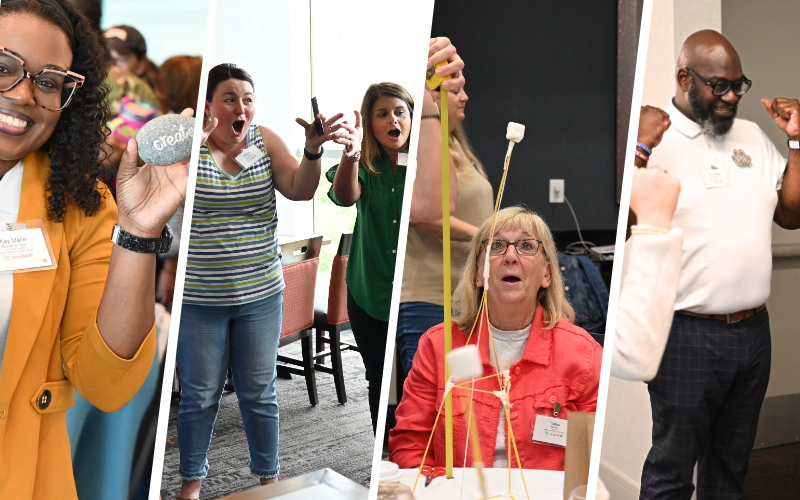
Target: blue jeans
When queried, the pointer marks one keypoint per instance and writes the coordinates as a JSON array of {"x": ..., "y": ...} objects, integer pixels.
[
  {"x": 244, "y": 337},
  {"x": 414, "y": 319}
]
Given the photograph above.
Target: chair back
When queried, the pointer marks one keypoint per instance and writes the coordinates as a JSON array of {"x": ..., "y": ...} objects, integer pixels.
[
  {"x": 337, "y": 293},
  {"x": 300, "y": 262},
  {"x": 344, "y": 244}
]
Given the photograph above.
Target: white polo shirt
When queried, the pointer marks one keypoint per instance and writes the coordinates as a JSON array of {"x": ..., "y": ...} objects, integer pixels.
[{"x": 726, "y": 260}]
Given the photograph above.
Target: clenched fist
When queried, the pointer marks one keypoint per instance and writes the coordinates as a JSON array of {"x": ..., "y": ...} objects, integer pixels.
[
  {"x": 786, "y": 113},
  {"x": 653, "y": 122}
]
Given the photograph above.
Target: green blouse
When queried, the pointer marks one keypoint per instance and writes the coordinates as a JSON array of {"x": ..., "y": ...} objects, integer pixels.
[{"x": 373, "y": 251}]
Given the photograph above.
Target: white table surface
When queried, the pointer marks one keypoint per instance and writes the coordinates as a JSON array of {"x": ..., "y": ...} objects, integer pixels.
[{"x": 542, "y": 484}]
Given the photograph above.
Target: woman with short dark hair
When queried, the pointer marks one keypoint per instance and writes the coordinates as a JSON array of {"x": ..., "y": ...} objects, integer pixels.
[{"x": 233, "y": 290}]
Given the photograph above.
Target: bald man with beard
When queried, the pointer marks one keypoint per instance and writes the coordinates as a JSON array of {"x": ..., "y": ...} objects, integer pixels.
[{"x": 707, "y": 394}]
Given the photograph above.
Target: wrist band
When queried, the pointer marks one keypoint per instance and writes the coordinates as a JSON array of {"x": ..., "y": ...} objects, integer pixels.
[
  {"x": 425, "y": 117},
  {"x": 644, "y": 147},
  {"x": 642, "y": 155},
  {"x": 313, "y": 157},
  {"x": 648, "y": 230},
  {"x": 354, "y": 157}
]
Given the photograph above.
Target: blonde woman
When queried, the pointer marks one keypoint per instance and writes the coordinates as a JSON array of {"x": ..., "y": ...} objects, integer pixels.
[{"x": 554, "y": 365}]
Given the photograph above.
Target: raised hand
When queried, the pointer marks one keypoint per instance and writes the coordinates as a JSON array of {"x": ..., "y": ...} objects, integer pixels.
[
  {"x": 148, "y": 196},
  {"x": 314, "y": 141},
  {"x": 348, "y": 135},
  {"x": 441, "y": 49},
  {"x": 654, "y": 196},
  {"x": 786, "y": 113},
  {"x": 653, "y": 122}
]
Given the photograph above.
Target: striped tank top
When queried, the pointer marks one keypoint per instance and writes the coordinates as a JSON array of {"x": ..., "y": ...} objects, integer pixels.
[{"x": 233, "y": 247}]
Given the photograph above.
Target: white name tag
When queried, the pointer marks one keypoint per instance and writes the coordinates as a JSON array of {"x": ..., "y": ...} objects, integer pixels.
[
  {"x": 249, "y": 157},
  {"x": 23, "y": 249},
  {"x": 550, "y": 430},
  {"x": 402, "y": 159},
  {"x": 714, "y": 177}
]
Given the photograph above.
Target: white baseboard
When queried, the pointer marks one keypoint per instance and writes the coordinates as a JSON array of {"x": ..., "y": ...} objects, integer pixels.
[{"x": 619, "y": 486}]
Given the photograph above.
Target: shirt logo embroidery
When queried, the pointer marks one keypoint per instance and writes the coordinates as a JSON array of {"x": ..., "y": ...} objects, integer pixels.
[{"x": 741, "y": 159}]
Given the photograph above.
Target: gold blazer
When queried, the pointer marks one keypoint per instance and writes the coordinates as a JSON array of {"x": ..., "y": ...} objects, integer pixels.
[{"x": 54, "y": 345}]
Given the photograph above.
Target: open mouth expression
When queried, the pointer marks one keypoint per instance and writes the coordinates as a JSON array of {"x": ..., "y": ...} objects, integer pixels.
[{"x": 391, "y": 122}]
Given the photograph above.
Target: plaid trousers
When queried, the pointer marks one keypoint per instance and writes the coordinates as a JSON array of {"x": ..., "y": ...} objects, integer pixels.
[{"x": 706, "y": 399}]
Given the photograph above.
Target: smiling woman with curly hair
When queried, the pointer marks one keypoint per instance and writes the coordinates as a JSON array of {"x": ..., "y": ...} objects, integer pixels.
[{"x": 88, "y": 323}]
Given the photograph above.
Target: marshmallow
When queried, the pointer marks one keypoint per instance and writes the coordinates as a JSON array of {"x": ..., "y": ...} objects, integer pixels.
[
  {"x": 503, "y": 396},
  {"x": 465, "y": 363},
  {"x": 516, "y": 131},
  {"x": 166, "y": 140}
]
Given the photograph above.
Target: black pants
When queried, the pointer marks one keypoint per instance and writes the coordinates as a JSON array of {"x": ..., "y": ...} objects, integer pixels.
[
  {"x": 706, "y": 399},
  {"x": 370, "y": 334}
]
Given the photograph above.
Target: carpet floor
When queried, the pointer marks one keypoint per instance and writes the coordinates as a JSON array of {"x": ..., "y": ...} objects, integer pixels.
[
  {"x": 773, "y": 473},
  {"x": 311, "y": 437}
]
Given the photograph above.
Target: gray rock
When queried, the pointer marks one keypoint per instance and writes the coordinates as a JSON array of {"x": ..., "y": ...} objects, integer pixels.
[{"x": 166, "y": 140}]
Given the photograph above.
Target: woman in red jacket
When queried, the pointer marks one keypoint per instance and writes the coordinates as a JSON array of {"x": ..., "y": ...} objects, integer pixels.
[{"x": 554, "y": 366}]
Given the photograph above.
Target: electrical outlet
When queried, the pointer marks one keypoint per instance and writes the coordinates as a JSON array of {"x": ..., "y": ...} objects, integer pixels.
[{"x": 556, "y": 190}]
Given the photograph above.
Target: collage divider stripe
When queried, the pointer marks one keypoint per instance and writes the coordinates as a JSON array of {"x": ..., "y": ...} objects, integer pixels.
[
  {"x": 619, "y": 251},
  {"x": 177, "y": 302},
  {"x": 426, "y": 8}
]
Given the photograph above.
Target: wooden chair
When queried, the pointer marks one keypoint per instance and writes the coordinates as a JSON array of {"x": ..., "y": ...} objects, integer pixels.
[
  {"x": 330, "y": 315},
  {"x": 300, "y": 263}
]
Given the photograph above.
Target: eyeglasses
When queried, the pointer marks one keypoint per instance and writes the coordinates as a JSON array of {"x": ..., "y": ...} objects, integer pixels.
[
  {"x": 721, "y": 87},
  {"x": 527, "y": 246},
  {"x": 53, "y": 89}
]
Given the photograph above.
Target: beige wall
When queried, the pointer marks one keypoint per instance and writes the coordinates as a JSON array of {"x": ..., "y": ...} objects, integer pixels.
[{"x": 766, "y": 36}]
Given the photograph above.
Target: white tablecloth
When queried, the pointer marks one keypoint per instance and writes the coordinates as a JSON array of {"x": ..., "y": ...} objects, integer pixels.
[{"x": 542, "y": 484}]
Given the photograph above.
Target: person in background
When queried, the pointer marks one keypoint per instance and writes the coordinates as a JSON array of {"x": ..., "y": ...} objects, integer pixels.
[
  {"x": 422, "y": 295},
  {"x": 132, "y": 80},
  {"x": 128, "y": 51},
  {"x": 180, "y": 88}
]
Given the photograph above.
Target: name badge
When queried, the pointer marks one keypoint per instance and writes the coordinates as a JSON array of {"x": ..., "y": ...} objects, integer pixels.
[
  {"x": 249, "y": 157},
  {"x": 715, "y": 177},
  {"x": 402, "y": 159},
  {"x": 550, "y": 430},
  {"x": 24, "y": 249}
]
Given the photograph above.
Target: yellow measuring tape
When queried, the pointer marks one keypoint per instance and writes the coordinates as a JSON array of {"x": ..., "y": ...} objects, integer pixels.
[{"x": 434, "y": 82}]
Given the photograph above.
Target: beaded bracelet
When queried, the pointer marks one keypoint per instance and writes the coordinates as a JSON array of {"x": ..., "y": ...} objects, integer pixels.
[
  {"x": 649, "y": 230},
  {"x": 644, "y": 147},
  {"x": 641, "y": 155},
  {"x": 354, "y": 157}
]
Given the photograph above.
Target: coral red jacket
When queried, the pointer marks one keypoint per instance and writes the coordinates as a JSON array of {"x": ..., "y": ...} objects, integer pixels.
[{"x": 561, "y": 365}]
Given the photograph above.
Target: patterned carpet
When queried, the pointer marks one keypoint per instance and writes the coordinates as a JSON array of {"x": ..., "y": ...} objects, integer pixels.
[{"x": 312, "y": 438}]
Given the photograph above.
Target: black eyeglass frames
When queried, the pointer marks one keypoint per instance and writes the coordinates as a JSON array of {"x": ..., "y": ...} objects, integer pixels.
[{"x": 721, "y": 87}]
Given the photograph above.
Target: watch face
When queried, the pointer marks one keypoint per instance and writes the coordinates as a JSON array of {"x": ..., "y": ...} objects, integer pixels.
[{"x": 794, "y": 144}]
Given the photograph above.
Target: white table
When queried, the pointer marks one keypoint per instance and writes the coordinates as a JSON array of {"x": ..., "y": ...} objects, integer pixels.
[{"x": 542, "y": 484}]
